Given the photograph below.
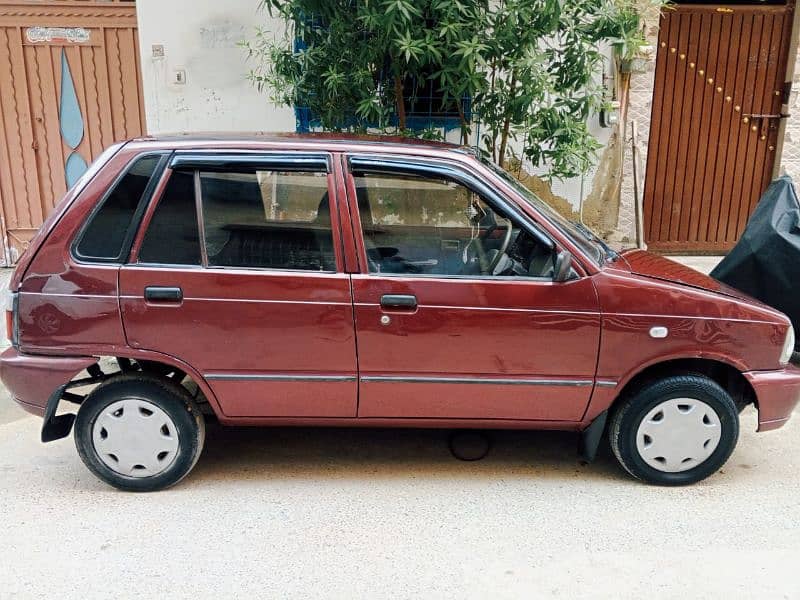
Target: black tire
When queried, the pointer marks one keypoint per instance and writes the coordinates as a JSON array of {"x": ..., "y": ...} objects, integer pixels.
[
  {"x": 628, "y": 415},
  {"x": 168, "y": 396}
]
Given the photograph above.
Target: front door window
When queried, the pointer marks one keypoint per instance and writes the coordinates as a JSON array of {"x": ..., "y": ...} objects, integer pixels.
[{"x": 432, "y": 226}]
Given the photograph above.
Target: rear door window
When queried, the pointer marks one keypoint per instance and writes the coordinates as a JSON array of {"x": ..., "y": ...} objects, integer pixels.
[
  {"x": 110, "y": 229},
  {"x": 267, "y": 219},
  {"x": 172, "y": 237}
]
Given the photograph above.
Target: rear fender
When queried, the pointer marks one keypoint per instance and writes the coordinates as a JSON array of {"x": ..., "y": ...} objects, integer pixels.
[
  {"x": 178, "y": 364},
  {"x": 31, "y": 379}
]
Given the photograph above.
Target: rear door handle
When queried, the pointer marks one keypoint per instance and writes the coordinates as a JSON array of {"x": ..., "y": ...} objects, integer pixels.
[
  {"x": 395, "y": 301},
  {"x": 163, "y": 294}
]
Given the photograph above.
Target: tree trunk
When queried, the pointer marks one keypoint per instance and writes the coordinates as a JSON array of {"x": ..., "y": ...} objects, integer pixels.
[
  {"x": 494, "y": 132},
  {"x": 401, "y": 102},
  {"x": 501, "y": 159},
  {"x": 504, "y": 142}
]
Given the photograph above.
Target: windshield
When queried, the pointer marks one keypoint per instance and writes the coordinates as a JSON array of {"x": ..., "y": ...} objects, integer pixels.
[{"x": 578, "y": 233}]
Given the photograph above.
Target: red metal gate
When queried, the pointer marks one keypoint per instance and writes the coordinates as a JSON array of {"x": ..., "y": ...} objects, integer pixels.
[{"x": 716, "y": 103}]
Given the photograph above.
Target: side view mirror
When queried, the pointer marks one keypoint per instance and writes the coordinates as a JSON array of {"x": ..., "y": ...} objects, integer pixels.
[{"x": 562, "y": 270}]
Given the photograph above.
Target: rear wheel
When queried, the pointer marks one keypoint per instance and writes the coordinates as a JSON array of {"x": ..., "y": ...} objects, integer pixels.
[
  {"x": 139, "y": 432},
  {"x": 675, "y": 431}
]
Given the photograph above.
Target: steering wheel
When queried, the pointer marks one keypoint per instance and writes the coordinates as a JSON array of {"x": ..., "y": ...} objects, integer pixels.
[{"x": 503, "y": 247}]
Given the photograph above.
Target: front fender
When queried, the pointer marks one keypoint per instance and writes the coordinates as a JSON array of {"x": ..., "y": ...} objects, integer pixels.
[{"x": 608, "y": 389}]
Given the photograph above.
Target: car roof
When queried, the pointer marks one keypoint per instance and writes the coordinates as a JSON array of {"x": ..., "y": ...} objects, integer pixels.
[{"x": 320, "y": 141}]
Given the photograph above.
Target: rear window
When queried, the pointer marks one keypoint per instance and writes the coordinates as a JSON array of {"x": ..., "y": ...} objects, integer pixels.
[{"x": 112, "y": 225}]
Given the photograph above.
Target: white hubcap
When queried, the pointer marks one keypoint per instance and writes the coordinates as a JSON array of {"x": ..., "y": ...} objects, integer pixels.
[
  {"x": 135, "y": 438},
  {"x": 678, "y": 434}
]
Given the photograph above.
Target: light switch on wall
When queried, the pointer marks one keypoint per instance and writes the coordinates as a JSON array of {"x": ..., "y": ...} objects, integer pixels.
[{"x": 179, "y": 76}]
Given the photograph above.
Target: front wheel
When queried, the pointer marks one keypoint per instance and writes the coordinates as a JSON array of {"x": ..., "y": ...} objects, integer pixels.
[
  {"x": 139, "y": 432},
  {"x": 675, "y": 431}
]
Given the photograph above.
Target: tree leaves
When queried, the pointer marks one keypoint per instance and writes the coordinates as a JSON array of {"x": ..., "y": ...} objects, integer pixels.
[{"x": 529, "y": 67}]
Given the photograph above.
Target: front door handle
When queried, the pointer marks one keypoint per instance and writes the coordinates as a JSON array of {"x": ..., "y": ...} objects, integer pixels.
[
  {"x": 398, "y": 301},
  {"x": 163, "y": 294}
]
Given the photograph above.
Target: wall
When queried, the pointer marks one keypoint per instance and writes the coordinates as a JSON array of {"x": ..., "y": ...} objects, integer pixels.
[
  {"x": 201, "y": 37},
  {"x": 577, "y": 190},
  {"x": 789, "y": 152},
  {"x": 640, "y": 103}
]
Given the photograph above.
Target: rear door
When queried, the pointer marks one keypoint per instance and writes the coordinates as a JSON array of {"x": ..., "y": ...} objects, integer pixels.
[
  {"x": 238, "y": 272},
  {"x": 437, "y": 338}
]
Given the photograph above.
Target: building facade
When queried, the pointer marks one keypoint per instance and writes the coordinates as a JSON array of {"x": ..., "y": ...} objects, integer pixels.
[{"x": 707, "y": 120}]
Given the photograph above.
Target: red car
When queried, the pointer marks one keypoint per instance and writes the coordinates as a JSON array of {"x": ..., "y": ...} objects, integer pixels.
[{"x": 356, "y": 281}]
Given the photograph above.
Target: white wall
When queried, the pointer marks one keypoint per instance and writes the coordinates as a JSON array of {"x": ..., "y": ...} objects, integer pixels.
[
  {"x": 202, "y": 37},
  {"x": 576, "y": 190}
]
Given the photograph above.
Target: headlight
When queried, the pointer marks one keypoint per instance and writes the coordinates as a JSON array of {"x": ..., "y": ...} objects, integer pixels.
[{"x": 788, "y": 346}]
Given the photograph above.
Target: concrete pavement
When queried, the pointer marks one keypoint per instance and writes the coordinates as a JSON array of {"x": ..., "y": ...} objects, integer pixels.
[{"x": 298, "y": 513}]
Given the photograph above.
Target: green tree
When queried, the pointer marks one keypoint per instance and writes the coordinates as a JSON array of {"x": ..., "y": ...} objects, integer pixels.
[{"x": 529, "y": 67}]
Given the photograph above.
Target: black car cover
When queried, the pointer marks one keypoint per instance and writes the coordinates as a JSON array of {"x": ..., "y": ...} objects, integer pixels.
[{"x": 766, "y": 262}]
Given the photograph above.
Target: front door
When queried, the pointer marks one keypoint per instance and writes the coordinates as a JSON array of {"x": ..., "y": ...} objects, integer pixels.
[
  {"x": 457, "y": 315},
  {"x": 717, "y": 100},
  {"x": 237, "y": 274}
]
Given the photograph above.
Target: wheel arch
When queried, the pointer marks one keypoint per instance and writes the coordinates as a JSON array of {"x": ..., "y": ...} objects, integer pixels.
[
  {"x": 150, "y": 394},
  {"x": 606, "y": 399},
  {"x": 727, "y": 375},
  {"x": 176, "y": 363}
]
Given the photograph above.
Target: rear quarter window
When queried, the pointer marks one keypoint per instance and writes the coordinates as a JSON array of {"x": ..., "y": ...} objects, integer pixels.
[{"x": 112, "y": 225}]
